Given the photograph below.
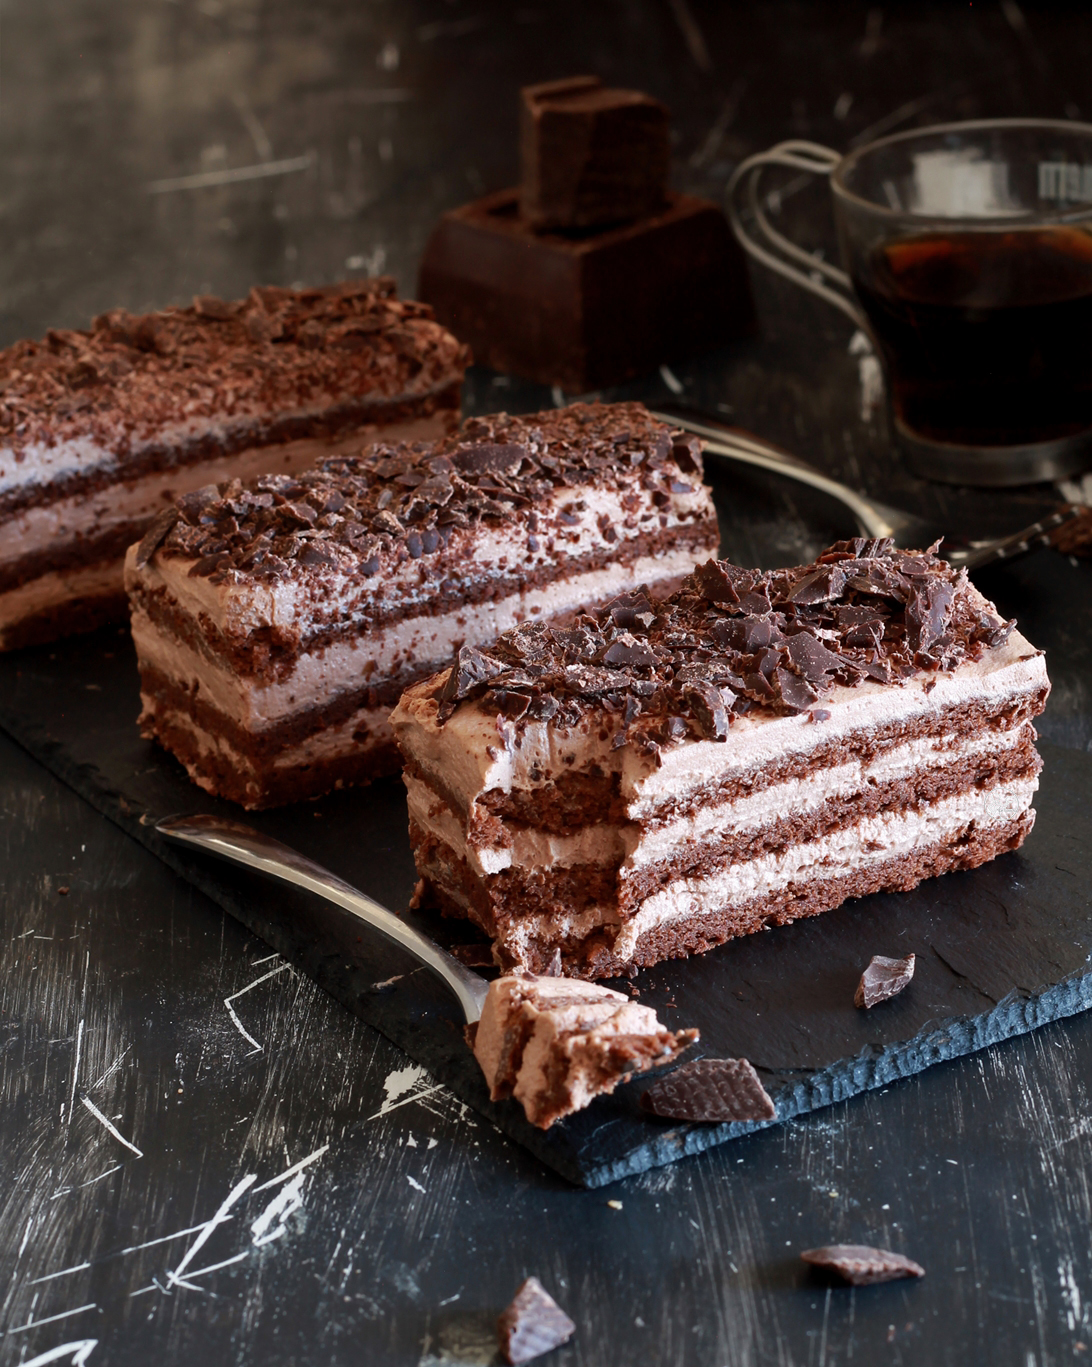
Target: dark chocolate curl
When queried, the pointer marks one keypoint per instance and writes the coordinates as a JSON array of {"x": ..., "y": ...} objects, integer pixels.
[
  {"x": 927, "y": 613},
  {"x": 155, "y": 536},
  {"x": 883, "y": 979},
  {"x": 861, "y": 1265},
  {"x": 796, "y": 693},
  {"x": 708, "y": 707},
  {"x": 471, "y": 669},
  {"x": 711, "y": 1089},
  {"x": 533, "y": 1324}
]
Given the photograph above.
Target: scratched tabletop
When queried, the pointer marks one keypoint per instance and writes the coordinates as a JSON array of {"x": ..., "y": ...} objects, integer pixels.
[{"x": 204, "y": 1158}]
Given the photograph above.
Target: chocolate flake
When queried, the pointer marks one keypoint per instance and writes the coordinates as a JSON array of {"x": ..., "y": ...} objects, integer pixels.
[
  {"x": 861, "y": 1265},
  {"x": 883, "y": 978},
  {"x": 731, "y": 639},
  {"x": 711, "y": 1089},
  {"x": 155, "y": 536},
  {"x": 533, "y": 1324}
]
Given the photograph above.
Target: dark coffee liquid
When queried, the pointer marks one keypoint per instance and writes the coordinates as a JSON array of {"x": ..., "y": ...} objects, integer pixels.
[{"x": 987, "y": 335}]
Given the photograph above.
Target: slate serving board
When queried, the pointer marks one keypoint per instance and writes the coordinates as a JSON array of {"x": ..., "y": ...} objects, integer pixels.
[{"x": 1000, "y": 950}]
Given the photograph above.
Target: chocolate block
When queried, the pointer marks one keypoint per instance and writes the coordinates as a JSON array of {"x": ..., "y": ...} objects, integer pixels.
[
  {"x": 586, "y": 312},
  {"x": 590, "y": 156}
]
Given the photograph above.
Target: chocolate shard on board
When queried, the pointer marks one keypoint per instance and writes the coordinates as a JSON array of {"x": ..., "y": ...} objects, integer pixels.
[
  {"x": 861, "y": 1265},
  {"x": 711, "y": 1089},
  {"x": 883, "y": 978},
  {"x": 533, "y": 1324}
]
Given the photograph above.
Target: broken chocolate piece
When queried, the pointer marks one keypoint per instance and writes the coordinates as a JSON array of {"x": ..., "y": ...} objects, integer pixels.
[
  {"x": 590, "y": 156},
  {"x": 533, "y": 1324},
  {"x": 154, "y": 537},
  {"x": 863, "y": 1266},
  {"x": 883, "y": 978},
  {"x": 711, "y": 1089}
]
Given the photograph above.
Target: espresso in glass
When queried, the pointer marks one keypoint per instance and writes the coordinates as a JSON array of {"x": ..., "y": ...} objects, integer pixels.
[
  {"x": 967, "y": 250},
  {"x": 987, "y": 335}
]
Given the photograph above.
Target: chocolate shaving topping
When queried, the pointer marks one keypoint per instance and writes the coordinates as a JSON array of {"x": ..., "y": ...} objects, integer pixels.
[
  {"x": 391, "y": 503},
  {"x": 533, "y": 1324},
  {"x": 883, "y": 978},
  {"x": 277, "y": 353},
  {"x": 710, "y": 1089},
  {"x": 863, "y": 1266},
  {"x": 733, "y": 639},
  {"x": 155, "y": 535}
]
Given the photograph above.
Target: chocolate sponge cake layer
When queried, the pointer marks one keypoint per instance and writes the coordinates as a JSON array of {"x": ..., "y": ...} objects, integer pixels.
[
  {"x": 277, "y": 622},
  {"x": 665, "y": 774},
  {"x": 100, "y": 430}
]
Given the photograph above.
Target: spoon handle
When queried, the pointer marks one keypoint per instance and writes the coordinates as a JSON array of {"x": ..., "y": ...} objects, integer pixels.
[{"x": 242, "y": 844}]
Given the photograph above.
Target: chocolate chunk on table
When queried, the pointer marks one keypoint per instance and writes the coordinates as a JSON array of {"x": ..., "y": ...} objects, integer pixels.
[
  {"x": 533, "y": 1324},
  {"x": 861, "y": 1265},
  {"x": 883, "y": 978},
  {"x": 711, "y": 1089},
  {"x": 590, "y": 156}
]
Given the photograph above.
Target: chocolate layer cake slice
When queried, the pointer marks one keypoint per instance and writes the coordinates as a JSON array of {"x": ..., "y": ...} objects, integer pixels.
[
  {"x": 276, "y": 623},
  {"x": 661, "y": 776},
  {"x": 101, "y": 430}
]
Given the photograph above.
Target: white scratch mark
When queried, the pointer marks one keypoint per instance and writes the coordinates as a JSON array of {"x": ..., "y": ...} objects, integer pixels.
[
  {"x": 240, "y": 1188},
  {"x": 75, "y": 1069},
  {"x": 167, "y": 1238},
  {"x": 112, "y": 1069},
  {"x": 448, "y": 1299},
  {"x": 258, "y": 135},
  {"x": 291, "y": 1172},
  {"x": 287, "y": 1200},
  {"x": 81, "y": 1350},
  {"x": 214, "y": 1267},
  {"x": 266, "y": 960},
  {"x": 26, "y": 1236},
  {"x": 386, "y": 1108},
  {"x": 64, "y": 1191},
  {"x": 52, "y": 1319},
  {"x": 414, "y": 1183},
  {"x": 241, "y": 992},
  {"x": 205, "y": 179},
  {"x": 86, "y": 1101},
  {"x": 671, "y": 379},
  {"x": 64, "y": 1272}
]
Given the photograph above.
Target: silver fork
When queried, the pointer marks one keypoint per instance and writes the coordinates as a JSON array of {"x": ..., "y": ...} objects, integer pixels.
[{"x": 873, "y": 517}]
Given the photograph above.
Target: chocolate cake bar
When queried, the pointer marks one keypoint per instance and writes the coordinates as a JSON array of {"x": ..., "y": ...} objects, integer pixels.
[
  {"x": 661, "y": 776},
  {"x": 101, "y": 430},
  {"x": 277, "y": 622}
]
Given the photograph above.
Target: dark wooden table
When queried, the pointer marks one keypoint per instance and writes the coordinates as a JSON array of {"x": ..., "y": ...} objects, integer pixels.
[{"x": 202, "y": 1157}]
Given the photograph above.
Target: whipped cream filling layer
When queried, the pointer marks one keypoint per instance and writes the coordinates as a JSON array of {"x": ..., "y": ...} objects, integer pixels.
[
  {"x": 634, "y": 848},
  {"x": 871, "y": 842},
  {"x": 40, "y": 463},
  {"x": 319, "y": 677},
  {"x": 306, "y": 605},
  {"x": 367, "y": 728},
  {"x": 94, "y": 514},
  {"x": 466, "y": 752}
]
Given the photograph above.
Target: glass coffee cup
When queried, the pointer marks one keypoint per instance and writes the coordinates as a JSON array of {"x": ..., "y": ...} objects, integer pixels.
[{"x": 968, "y": 250}]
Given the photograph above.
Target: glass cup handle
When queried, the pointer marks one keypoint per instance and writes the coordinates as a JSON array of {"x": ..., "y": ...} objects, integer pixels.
[{"x": 816, "y": 160}]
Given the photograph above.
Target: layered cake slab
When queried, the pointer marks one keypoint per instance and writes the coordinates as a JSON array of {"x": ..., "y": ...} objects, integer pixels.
[
  {"x": 664, "y": 775},
  {"x": 277, "y": 622},
  {"x": 103, "y": 429}
]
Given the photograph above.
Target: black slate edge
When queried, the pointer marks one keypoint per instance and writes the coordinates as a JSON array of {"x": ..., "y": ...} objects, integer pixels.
[
  {"x": 575, "y": 1161},
  {"x": 952, "y": 1039}
]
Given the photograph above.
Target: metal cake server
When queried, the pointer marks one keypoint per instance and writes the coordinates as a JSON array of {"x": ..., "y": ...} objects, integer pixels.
[
  {"x": 873, "y": 517},
  {"x": 242, "y": 844}
]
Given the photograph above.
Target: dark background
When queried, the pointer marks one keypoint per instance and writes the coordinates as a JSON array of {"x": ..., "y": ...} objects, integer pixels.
[{"x": 419, "y": 1220}]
